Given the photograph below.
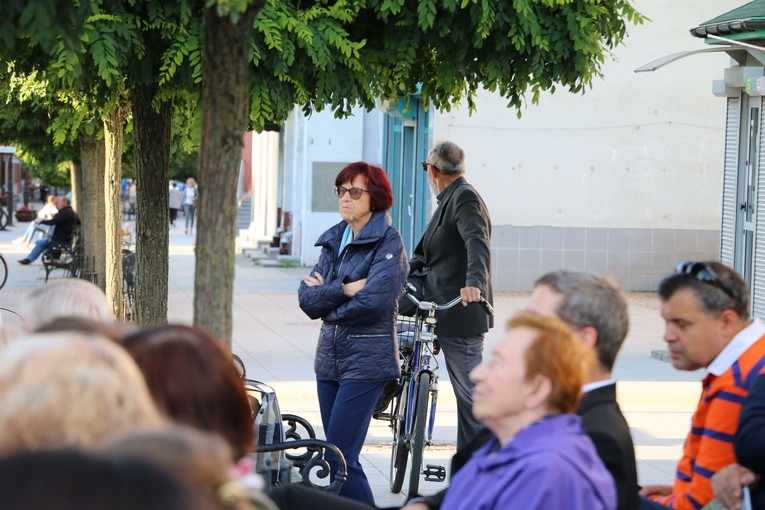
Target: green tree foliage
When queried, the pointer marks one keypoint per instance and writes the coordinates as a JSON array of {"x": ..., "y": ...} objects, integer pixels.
[
  {"x": 346, "y": 53},
  {"x": 46, "y": 24},
  {"x": 320, "y": 54}
]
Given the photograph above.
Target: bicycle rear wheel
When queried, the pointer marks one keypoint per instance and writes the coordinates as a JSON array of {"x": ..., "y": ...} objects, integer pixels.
[
  {"x": 418, "y": 432},
  {"x": 399, "y": 454},
  {"x": 3, "y": 271},
  {"x": 3, "y": 219}
]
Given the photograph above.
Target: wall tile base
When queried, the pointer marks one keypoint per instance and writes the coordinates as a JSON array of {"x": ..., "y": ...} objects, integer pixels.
[{"x": 637, "y": 259}]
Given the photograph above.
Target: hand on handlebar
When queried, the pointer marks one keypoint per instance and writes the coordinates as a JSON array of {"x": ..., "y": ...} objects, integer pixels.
[{"x": 470, "y": 295}]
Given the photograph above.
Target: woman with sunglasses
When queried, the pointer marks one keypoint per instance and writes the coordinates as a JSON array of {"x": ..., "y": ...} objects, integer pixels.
[{"x": 354, "y": 290}]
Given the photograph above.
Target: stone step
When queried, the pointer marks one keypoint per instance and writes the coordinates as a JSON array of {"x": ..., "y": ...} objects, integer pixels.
[
  {"x": 269, "y": 262},
  {"x": 262, "y": 244},
  {"x": 289, "y": 260},
  {"x": 253, "y": 253}
]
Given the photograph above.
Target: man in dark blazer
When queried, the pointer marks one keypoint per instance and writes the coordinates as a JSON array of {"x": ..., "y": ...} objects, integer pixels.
[
  {"x": 455, "y": 250},
  {"x": 595, "y": 308}
]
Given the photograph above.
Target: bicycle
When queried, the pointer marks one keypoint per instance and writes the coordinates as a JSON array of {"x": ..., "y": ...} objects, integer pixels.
[
  {"x": 413, "y": 406},
  {"x": 3, "y": 271}
]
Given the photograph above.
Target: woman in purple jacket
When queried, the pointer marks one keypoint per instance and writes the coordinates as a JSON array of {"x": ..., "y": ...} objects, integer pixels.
[
  {"x": 354, "y": 290},
  {"x": 540, "y": 458}
]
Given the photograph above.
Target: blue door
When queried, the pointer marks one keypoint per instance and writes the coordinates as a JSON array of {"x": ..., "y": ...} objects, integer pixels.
[{"x": 406, "y": 146}]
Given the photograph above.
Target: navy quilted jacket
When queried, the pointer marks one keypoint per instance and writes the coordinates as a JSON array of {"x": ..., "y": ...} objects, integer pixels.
[{"x": 358, "y": 337}]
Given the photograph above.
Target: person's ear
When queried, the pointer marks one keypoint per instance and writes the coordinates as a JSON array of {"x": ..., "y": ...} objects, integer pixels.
[
  {"x": 540, "y": 390},
  {"x": 589, "y": 336},
  {"x": 730, "y": 322}
]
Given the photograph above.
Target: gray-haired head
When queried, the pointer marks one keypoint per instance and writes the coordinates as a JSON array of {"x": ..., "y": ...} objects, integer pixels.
[
  {"x": 448, "y": 157},
  {"x": 64, "y": 297},
  {"x": 592, "y": 300}
]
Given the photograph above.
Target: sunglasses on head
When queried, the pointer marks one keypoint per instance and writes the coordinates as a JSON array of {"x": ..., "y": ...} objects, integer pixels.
[
  {"x": 702, "y": 273},
  {"x": 354, "y": 192}
]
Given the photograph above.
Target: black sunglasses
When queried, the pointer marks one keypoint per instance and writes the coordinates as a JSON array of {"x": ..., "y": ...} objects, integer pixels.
[
  {"x": 702, "y": 273},
  {"x": 354, "y": 192},
  {"x": 425, "y": 166}
]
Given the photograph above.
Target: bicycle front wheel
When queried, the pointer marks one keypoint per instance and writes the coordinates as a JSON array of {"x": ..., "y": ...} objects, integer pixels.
[
  {"x": 3, "y": 271},
  {"x": 399, "y": 454},
  {"x": 418, "y": 432}
]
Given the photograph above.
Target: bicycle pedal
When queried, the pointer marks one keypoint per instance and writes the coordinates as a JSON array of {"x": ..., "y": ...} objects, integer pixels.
[
  {"x": 434, "y": 473},
  {"x": 383, "y": 416}
]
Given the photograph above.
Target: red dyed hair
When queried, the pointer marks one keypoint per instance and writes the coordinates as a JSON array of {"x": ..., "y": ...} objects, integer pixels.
[
  {"x": 557, "y": 355},
  {"x": 378, "y": 185},
  {"x": 194, "y": 381}
]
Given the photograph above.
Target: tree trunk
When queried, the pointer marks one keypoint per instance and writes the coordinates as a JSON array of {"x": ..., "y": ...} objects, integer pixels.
[
  {"x": 91, "y": 209},
  {"x": 113, "y": 132},
  {"x": 152, "y": 152},
  {"x": 75, "y": 177},
  {"x": 225, "y": 111}
]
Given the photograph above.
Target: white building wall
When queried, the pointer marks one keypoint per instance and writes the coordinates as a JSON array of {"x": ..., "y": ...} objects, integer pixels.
[
  {"x": 265, "y": 157},
  {"x": 625, "y": 179},
  {"x": 322, "y": 139},
  {"x": 637, "y": 150}
]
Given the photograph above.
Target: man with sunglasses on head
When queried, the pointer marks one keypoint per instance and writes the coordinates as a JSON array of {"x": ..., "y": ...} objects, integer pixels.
[
  {"x": 705, "y": 306},
  {"x": 455, "y": 252}
]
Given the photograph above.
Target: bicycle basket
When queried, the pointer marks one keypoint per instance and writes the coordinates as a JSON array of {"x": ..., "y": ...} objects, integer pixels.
[{"x": 405, "y": 327}]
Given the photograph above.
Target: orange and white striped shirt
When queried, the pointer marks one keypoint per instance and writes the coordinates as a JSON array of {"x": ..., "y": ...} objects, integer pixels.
[{"x": 709, "y": 445}]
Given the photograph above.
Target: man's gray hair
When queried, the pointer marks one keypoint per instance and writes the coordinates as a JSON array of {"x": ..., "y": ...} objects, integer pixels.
[
  {"x": 592, "y": 300},
  {"x": 448, "y": 157}
]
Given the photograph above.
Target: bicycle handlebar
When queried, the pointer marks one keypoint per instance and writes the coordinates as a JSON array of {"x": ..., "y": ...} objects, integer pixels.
[{"x": 429, "y": 305}]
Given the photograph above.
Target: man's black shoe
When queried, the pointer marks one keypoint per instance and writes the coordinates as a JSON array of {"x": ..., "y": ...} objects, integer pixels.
[{"x": 25, "y": 262}]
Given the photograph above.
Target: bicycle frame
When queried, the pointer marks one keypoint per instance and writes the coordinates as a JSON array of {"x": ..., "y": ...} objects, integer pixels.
[
  {"x": 413, "y": 411},
  {"x": 422, "y": 355}
]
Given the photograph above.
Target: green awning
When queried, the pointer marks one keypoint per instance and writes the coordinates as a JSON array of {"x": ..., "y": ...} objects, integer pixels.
[{"x": 745, "y": 19}]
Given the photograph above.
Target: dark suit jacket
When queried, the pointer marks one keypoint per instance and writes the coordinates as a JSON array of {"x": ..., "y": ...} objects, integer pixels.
[
  {"x": 64, "y": 222},
  {"x": 603, "y": 422},
  {"x": 456, "y": 247},
  {"x": 749, "y": 443}
]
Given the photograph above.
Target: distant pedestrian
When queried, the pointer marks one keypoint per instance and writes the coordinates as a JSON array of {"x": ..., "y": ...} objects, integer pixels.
[
  {"x": 190, "y": 203},
  {"x": 175, "y": 201}
]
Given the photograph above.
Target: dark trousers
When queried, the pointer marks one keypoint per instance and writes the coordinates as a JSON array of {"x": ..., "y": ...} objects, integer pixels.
[
  {"x": 463, "y": 354},
  {"x": 346, "y": 410}
]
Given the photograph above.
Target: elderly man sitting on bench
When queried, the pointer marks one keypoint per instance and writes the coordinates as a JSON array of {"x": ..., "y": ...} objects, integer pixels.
[{"x": 63, "y": 222}]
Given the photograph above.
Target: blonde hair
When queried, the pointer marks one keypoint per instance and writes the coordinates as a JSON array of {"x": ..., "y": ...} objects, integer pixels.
[
  {"x": 65, "y": 297},
  {"x": 67, "y": 389}
]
